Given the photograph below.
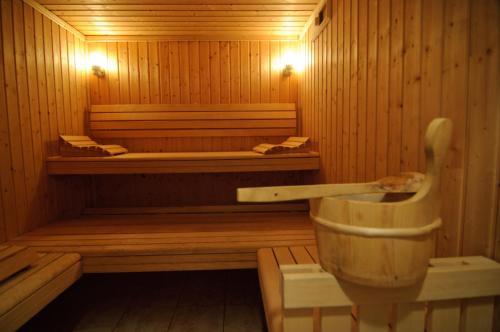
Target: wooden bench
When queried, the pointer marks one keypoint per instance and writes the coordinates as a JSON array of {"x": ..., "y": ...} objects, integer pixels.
[
  {"x": 193, "y": 120},
  {"x": 456, "y": 295},
  {"x": 25, "y": 293},
  {"x": 168, "y": 239},
  {"x": 184, "y": 162}
]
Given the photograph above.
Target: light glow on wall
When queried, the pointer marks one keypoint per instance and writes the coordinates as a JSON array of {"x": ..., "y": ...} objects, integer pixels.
[
  {"x": 289, "y": 58},
  {"x": 97, "y": 58},
  {"x": 99, "y": 64}
]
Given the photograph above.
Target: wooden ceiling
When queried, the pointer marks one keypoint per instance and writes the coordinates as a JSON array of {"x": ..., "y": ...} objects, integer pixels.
[{"x": 182, "y": 19}]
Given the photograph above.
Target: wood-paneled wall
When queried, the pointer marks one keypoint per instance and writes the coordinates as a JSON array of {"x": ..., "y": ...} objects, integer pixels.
[
  {"x": 42, "y": 94},
  {"x": 193, "y": 72},
  {"x": 377, "y": 75}
]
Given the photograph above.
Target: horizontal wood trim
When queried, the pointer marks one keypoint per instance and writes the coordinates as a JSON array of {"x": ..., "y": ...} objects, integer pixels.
[
  {"x": 106, "y": 30},
  {"x": 169, "y": 267},
  {"x": 193, "y": 133},
  {"x": 182, "y": 13},
  {"x": 312, "y": 17},
  {"x": 192, "y": 107},
  {"x": 77, "y": 166},
  {"x": 198, "y": 209},
  {"x": 187, "y": 156},
  {"x": 191, "y": 37},
  {"x": 180, "y": 7},
  {"x": 72, "y": 19},
  {"x": 186, "y": 124},
  {"x": 80, "y": 24},
  {"x": 129, "y": 116},
  {"x": 212, "y": 35},
  {"x": 169, "y": 259},
  {"x": 174, "y": 2},
  {"x": 43, "y": 10}
]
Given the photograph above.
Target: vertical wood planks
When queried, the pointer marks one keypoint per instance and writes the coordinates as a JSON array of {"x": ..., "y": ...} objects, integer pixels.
[
  {"x": 184, "y": 72},
  {"x": 194, "y": 72},
  {"x": 484, "y": 126},
  {"x": 143, "y": 72},
  {"x": 133, "y": 72},
  {"x": 335, "y": 319},
  {"x": 123, "y": 73},
  {"x": 38, "y": 101},
  {"x": 454, "y": 106},
  {"x": 395, "y": 88},
  {"x": 410, "y": 317},
  {"x": 411, "y": 85},
  {"x": 371, "y": 91},
  {"x": 14, "y": 128},
  {"x": 112, "y": 73},
  {"x": 374, "y": 318},
  {"x": 445, "y": 316},
  {"x": 478, "y": 315},
  {"x": 395, "y": 65},
  {"x": 8, "y": 227}
]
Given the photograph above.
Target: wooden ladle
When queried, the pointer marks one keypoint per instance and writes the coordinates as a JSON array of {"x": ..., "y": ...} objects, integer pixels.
[{"x": 405, "y": 183}]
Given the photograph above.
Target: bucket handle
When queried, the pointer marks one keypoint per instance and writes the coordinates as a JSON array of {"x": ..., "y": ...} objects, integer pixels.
[{"x": 379, "y": 232}]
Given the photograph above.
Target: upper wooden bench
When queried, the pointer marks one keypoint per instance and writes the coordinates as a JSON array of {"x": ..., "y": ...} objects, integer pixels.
[{"x": 190, "y": 120}]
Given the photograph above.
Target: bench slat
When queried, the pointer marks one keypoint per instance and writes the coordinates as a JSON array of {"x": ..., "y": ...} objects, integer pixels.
[
  {"x": 35, "y": 302},
  {"x": 445, "y": 315},
  {"x": 335, "y": 319},
  {"x": 14, "y": 259},
  {"x": 219, "y": 120},
  {"x": 374, "y": 317},
  {"x": 269, "y": 277},
  {"x": 410, "y": 317},
  {"x": 478, "y": 314},
  {"x": 193, "y": 107}
]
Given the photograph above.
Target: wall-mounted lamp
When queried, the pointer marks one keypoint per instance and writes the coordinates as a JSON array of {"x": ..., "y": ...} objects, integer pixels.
[
  {"x": 98, "y": 71},
  {"x": 288, "y": 70},
  {"x": 97, "y": 62}
]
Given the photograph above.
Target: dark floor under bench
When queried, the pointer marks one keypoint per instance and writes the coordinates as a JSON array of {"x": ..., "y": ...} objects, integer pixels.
[{"x": 194, "y": 301}]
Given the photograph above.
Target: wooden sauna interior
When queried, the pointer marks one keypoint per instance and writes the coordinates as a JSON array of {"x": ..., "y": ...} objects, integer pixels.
[{"x": 189, "y": 87}]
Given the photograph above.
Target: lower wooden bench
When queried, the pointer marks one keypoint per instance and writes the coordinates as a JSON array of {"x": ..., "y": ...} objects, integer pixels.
[
  {"x": 456, "y": 295},
  {"x": 170, "y": 241},
  {"x": 24, "y": 294}
]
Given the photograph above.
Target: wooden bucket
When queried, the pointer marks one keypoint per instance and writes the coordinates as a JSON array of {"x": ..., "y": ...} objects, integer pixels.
[
  {"x": 374, "y": 234},
  {"x": 374, "y": 239}
]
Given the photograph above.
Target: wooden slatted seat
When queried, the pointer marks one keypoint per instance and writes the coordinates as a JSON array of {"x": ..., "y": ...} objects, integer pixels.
[
  {"x": 167, "y": 241},
  {"x": 24, "y": 294},
  {"x": 456, "y": 295},
  {"x": 183, "y": 162},
  {"x": 190, "y": 120}
]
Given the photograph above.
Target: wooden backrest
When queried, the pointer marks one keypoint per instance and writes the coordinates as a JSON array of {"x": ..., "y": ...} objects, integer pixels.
[
  {"x": 190, "y": 120},
  {"x": 456, "y": 295}
]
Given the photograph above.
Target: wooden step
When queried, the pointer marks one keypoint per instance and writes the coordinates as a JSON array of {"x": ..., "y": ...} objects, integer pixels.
[
  {"x": 457, "y": 294},
  {"x": 26, "y": 293},
  {"x": 167, "y": 242},
  {"x": 269, "y": 260},
  {"x": 15, "y": 258},
  {"x": 184, "y": 162}
]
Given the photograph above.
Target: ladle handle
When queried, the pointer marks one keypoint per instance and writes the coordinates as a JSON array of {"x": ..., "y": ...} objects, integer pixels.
[{"x": 407, "y": 182}]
